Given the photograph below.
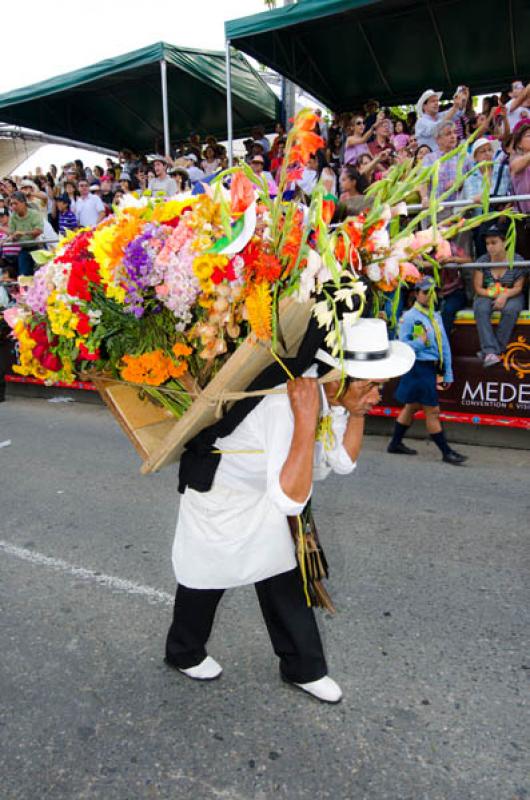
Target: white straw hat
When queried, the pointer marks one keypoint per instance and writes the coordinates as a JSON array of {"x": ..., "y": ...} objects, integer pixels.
[
  {"x": 368, "y": 354},
  {"x": 427, "y": 94}
]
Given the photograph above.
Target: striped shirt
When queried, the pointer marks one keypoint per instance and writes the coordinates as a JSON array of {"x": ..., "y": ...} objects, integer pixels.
[{"x": 67, "y": 221}]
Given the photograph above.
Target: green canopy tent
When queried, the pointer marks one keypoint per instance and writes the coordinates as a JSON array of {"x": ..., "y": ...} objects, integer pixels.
[
  {"x": 345, "y": 51},
  {"x": 144, "y": 99}
]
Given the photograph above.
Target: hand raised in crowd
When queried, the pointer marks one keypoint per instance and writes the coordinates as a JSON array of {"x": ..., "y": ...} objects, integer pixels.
[{"x": 304, "y": 397}]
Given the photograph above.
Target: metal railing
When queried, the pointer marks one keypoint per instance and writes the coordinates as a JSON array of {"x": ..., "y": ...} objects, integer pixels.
[{"x": 504, "y": 200}]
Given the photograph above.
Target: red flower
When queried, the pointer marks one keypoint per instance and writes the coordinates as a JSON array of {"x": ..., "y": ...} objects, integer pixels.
[
  {"x": 51, "y": 362},
  {"x": 83, "y": 324},
  {"x": 86, "y": 355},
  {"x": 217, "y": 276}
]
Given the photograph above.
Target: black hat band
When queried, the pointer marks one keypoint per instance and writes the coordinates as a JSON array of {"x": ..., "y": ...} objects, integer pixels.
[{"x": 376, "y": 355}]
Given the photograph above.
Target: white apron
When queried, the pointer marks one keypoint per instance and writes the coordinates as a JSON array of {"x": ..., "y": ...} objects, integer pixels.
[{"x": 228, "y": 538}]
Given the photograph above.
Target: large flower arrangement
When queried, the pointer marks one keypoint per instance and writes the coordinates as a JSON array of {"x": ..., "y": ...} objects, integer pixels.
[{"x": 162, "y": 292}]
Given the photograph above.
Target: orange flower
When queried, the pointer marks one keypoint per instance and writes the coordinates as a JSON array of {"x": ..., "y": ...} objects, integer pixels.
[
  {"x": 241, "y": 193},
  {"x": 259, "y": 311},
  {"x": 180, "y": 349}
]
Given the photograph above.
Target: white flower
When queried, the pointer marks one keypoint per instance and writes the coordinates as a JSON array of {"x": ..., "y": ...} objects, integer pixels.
[
  {"x": 374, "y": 272},
  {"x": 323, "y": 313}
]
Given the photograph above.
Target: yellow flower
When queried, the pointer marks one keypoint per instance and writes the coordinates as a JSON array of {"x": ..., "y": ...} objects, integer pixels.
[{"x": 259, "y": 310}]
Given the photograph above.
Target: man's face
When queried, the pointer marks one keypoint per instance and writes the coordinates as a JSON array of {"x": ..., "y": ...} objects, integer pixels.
[
  {"x": 159, "y": 169},
  {"x": 257, "y": 166},
  {"x": 62, "y": 206},
  {"x": 27, "y": 190},
  {"x": 83, "y": 188},
  {"x": 495, "y": 248},
  {"x": 447, "y": 139},
  {"x": 517, "y": 88},
  {"x": 431, "y": 105},
  {"x": 18, "y": 207},
  {"x": 105, "y": 186}
]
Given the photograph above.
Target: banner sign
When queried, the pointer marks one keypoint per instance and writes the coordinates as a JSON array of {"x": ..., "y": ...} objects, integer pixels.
[{"x": 483, "y": 396}]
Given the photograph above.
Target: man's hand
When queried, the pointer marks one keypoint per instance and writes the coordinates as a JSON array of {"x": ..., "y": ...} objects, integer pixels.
[{"x": 304, "y": 397}]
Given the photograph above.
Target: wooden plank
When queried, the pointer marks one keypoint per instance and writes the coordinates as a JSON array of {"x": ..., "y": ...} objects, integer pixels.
[{"x": 245, "y": 365}]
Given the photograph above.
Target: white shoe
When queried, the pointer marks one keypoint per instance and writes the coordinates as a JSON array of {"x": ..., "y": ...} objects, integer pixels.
[
  {"x": 325, "y": 689},
  {"x": 491, "y": 359},
  {"x": 207, "y": 670}
]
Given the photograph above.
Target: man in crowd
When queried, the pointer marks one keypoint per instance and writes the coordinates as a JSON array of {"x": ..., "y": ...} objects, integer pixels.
[
  {"x": 162, "y": 183},
  {"x": 380, "y": 144},
  {"x": 88, "y": 208},
  {"x": 107, "y": 195},
  {"x": 25, "y": 225},
  {"x": 518, "y": 107},
  {"x": 195, "y": 174},
  {"x": 445, "y": 140},
  {"x": 429, "y": 114}
]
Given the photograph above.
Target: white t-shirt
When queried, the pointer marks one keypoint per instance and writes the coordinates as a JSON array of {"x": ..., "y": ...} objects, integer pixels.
[
  {"x": 516, "y": 116},
  {"x": 87, "y": 210},
  {"x": 166, "y": 185}
]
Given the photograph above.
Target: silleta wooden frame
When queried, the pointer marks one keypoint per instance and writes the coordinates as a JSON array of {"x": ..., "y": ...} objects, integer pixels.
[{"x": 157, "y": 435}]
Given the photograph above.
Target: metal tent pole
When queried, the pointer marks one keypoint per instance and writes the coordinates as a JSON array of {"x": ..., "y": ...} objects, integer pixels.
[
  {"x": 229, "y": 121},
  {"x": 165, "y": 110}
]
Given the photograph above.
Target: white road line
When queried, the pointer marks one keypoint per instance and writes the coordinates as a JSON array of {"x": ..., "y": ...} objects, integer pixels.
[{"x": 110, "y": 581}]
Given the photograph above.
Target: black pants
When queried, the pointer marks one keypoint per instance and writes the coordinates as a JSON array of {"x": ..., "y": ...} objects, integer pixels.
[{"x": 291, "y": 625}]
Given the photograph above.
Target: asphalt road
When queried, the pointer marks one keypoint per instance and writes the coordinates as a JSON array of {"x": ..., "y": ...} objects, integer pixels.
[{"x": 430, "y": 573}]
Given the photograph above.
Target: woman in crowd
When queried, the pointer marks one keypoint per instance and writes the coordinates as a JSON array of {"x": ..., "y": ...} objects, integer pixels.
[
  {"x": 496, "y": 289},
  {"x": 335, "y": 152},
  {"x": 277, "y": 159},
  {"x": 70, "y": 188},
  {"x": 353, "y": 186},
  {"x": 422, "y": 151},
  {"x": 356, "y": 140},
  {"x": 520, "y": 173},
  {"x": 210, "y": 164}
]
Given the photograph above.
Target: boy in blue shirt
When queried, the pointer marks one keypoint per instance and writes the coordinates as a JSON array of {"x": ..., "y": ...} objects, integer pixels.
[
  {"x": 418, "y": 388},
  {"x": 67, "y": 220}
]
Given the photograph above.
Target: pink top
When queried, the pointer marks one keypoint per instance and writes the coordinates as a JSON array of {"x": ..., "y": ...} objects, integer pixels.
[
  {"x": 400, "y": 140},
  {"x": 521, "y": 185},
  {"x": 353, "y": 153}
]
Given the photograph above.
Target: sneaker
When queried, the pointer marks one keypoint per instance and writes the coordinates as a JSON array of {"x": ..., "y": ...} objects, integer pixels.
[
  {"x": 207, "y": 670},
  {"x": 490, "y": 359},
  {"x": 325, "y": 689},
  {"x": 452, "y": 457},
  {"x": 402, "y": 449}
]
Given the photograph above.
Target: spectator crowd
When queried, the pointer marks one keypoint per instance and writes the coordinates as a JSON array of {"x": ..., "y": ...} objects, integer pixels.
[{"x": 360, "y": 148}]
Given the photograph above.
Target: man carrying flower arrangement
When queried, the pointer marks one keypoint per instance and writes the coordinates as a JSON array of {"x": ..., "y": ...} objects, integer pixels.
[{"x": 233, "y": 519}]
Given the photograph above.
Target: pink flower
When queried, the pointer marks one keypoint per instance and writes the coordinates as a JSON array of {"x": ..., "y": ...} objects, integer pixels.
[
  {"x": 443, "y": 250},
  {"x": 11, "y": 316},
  {"x": 409, "y": 272}
]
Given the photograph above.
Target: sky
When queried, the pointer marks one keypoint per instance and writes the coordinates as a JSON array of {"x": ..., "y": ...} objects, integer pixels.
[{"x": 43, "y": 39}]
